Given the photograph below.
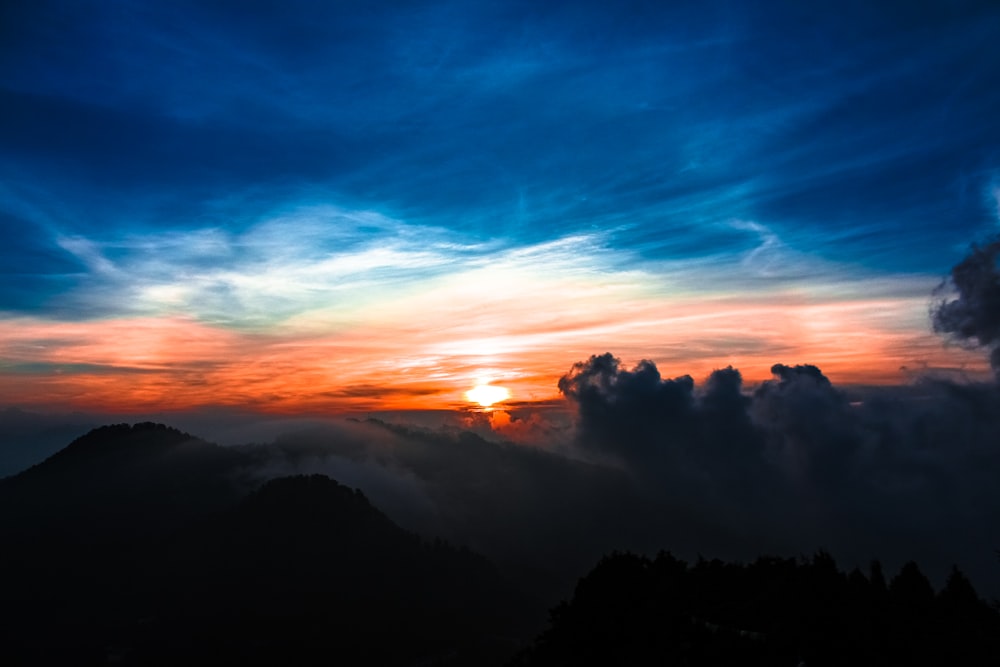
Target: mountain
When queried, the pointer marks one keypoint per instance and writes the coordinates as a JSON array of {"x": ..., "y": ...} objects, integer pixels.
[
  {"x": 27, "y": 437},
  {"x": 144, "y": 545},
  {"x": 140, "y": 468}
]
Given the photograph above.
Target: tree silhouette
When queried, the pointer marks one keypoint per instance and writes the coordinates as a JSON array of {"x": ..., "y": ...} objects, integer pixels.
[{"x": 773, "y": 611}]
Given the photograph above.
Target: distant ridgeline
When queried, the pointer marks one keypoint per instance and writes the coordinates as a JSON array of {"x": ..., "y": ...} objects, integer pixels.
[
  {"x": 143, "y": 545},
  {"x": 631, "y": 610}
]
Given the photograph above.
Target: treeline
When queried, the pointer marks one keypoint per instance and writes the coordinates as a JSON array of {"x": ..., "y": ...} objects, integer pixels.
[{"x": 632, "y": 610}]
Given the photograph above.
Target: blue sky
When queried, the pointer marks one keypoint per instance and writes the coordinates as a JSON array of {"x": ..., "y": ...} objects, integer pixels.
[{"x": 270, "y": 169}]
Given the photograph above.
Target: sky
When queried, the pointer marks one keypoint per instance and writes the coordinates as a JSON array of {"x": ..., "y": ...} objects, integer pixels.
[{"x": 310, "y": 207}]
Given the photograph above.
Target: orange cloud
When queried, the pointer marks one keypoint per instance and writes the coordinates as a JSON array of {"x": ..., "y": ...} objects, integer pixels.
[{"x": 427, "y": 355}]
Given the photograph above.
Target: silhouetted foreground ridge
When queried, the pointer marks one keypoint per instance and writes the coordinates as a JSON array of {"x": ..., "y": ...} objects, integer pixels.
[
  {"x": 631, "y": 610},
  {"x": 141, "y": 545}
]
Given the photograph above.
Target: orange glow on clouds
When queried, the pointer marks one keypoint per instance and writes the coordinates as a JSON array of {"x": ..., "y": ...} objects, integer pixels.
[
  {"x": 415, "y": 321},
  {"x": 402, "y": 363}
]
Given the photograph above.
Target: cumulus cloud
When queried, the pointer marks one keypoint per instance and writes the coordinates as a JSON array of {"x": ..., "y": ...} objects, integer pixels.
[
  {"x": 638, "y": 416},
  {"x": 798, "y": 464},
  {"x": 613, "y": 404},
  {"x": 973, "y": 315}
]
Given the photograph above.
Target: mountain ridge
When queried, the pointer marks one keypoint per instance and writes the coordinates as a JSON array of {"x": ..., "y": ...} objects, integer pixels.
[{"x": 141, "y": 544}]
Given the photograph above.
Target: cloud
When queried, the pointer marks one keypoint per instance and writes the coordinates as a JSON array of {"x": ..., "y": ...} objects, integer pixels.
[
  {"x": 799, "y": 464},
  {"x": 448, "y": 190},
  {"x": 277, "y": 268},
  {"x": 614, "y": 404},
  {"x": 538, "y": 426},
  {"x": 268, "y": 310},
  {"x": 973, "y": 316}
]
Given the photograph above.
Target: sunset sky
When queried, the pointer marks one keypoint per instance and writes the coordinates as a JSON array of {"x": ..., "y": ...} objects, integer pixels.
[{"x": 307, "y": 207}]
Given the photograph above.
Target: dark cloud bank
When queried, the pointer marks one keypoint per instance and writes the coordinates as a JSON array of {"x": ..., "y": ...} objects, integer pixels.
[{"x": 973, "y": 317}]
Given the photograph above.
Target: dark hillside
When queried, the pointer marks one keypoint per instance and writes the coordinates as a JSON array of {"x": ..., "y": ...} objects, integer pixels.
[{"x": 138, "y": 545}]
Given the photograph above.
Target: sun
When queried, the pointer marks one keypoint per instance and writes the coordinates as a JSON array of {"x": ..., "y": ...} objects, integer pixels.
[{"x": 487, "y": 394}]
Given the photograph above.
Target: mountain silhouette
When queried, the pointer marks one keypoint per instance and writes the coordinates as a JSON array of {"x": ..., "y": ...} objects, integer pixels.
[
  {"x": 137, "y": 469},
  {"x": 27, "y": 437},
  {"x": 145, "y": 545}
]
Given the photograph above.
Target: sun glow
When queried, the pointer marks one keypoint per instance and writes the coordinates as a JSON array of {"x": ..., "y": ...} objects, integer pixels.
[{"x": 487, "y": 394}]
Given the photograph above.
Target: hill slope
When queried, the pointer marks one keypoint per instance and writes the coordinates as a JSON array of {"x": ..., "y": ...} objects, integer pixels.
[{"x": 140, "y": 545}]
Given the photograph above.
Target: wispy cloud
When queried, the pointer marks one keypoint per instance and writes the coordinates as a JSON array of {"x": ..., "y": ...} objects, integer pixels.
[{"x": 300, "y": 310}]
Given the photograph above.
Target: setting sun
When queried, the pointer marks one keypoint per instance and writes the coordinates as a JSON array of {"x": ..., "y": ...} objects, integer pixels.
[{"x": 486, "y": 394}]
